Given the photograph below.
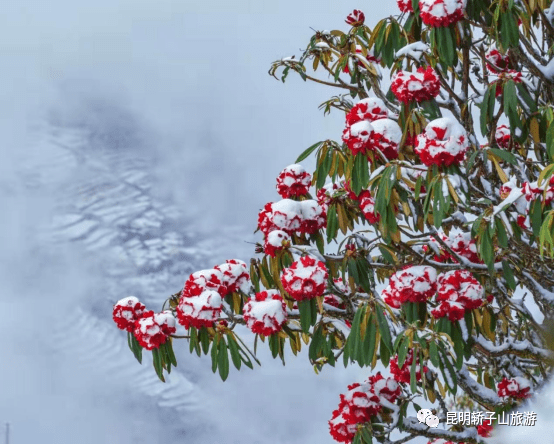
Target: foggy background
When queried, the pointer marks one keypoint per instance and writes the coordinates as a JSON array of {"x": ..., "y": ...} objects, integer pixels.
[{"x": 139, "y": 140}]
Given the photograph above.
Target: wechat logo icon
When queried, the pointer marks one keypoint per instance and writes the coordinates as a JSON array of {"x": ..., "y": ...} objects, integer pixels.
[{"x": 427, "y": 417}]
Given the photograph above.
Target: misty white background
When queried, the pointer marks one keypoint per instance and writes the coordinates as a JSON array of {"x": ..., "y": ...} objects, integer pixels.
[{"x": 187, "y": 82}]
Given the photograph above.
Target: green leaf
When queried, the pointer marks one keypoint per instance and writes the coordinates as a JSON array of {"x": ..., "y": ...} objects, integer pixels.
[
  {"x": 434, "y": 354},
  {"x": 305, "y": 315},
  {"x": 360, "y": 175},
  {"x": 214, "y": 356},
  {"x": 308, "y": 151},
  {"x": 223, "y": 359},
  {"x": 204, "y": 339},
  {"x": 524, "y": 94},
  {"x": 324, "y": 168},
  {"x": 413, "y": 381},
  {"x": 316, "y": 342},
  {"x": 135, "y": 347},
  {"x": 384, "y": 353},
  {"x": 504, "y": 155},
  {"x": 550, "y": 140},
  {"x": 332, "y": 223},
  {"x": 508, "y": 275},
  {"x": 170, "y": 353},
  {"x": 502, "y": 236},
  {"x": 403, "y": 351},
  {"x": 510, "y": 97},
  {"x": 234, "y": 349},
  {"x": 158, "y": 365},
  {"x": 384, "y": 328},
  {"x": 363, "y": 274},
  {"x": 368, "y": 346},
  {"x": 485, "y": 112},
  {"x": 354, "y": 342}
]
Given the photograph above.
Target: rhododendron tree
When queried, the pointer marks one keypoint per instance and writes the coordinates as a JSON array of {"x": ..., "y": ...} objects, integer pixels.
[{"x": 423, "y": 241}]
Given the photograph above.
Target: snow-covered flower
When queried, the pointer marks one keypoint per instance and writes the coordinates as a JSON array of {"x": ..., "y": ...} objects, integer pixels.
[
  {"x": 276, "y": 240},
  {"x": 305, "y": 279},
  {"x": 334, "y": 300},
  {"x": 416, "y": 86},
  {"x": 443, "y": 142},
  {"x": 439, "y": 13},
  {"x": 152, "y": 330},
  {"x": 235, "y": 275},
  {"x": 126, "y": 311},
  {"x": 386, "y": 137},
  {"x": 358, "y": 137},
  {"x": 199, "y": 311},
  {"x": 402, "y": 374},
  {"x": 266, "y": 313},
  {"x": 204, "y": 280},
  {"x": 458, "y": 291},
  {"x": 517, "y": 387},
  {"x": 503, "y": 77},
  {"x": 340, "y": 430},
  {"x": 502, "y": 136},
  {"x": 293, "y": 181},
  {"x": 496, "y": 61},
  {"x": 292, "y": 216},
  {"x": 405, "y": 5},
  {"x": 367, "y": 206},
  {"x": 369, "y": 109},
  {"x": 460, "y": 243},
  {"x": 370, "y": 57},
  {"x": 412, "y": 284},
  {"x": 355, "y": 18},
  {"x": 544, "y": 192},
  {"x": 485, "y": 429},
  {"x": 329, "y": 192}
]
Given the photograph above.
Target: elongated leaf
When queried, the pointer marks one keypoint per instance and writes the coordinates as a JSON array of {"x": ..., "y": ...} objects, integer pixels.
[
  {"x": 369, "y": 341},
  {"x": 158, "y": 365},
  {"x": 234, "y": 349},
  {"x": 384, "y": 328},
  {"x": 403, "y": 351},
  {"x": 223, "y": 359},
  {"x": 308, "y": 151},
  {"x": 305, "y": 315}
]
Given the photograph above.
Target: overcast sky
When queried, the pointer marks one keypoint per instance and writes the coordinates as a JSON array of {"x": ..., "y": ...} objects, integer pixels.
[{"x": 188, "y": 83}]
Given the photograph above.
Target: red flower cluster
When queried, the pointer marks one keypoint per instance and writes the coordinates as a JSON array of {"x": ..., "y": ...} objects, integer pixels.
[
  {"x": 444, "y": 142},
  {"x": 360, "y": 403},
  {"x": 355, "y": 18},
  {"x": 235, "y": 276},
  {"x": 514, "y": 388},
  {"x": 305, "y": 279},
  {"x": 203, "y": 280},
  {"x": 334, "y": 300},
  {"x": 358, "y": 137},
  {"x": 485, "y": 429},
  {"x": 328, "y": 192},
  {"x": 502, "y": 136},
  {"x": 293, "y": 181},
  {"x": 275, "y": 241},
  {"x": 367, "y": 206},
  {"x": 370, "y": 57},
  {"x": 199, "y": 311},
  {"x": 386, "y": 137},
  {"x": 370, "y": 109},
  {"x": 439, "y": 13},
  {"x": 503, "y": 77},
  {"x": 533, "y": 191},
  {"x": 292, "y": 216},
  {"x": 458, "y": 291},
  {"x": 413, "y": 284},
  {"x": 496, "y": 62},
  {"x": 405, "y": 5},
  {"x": 419, "y": 86},
  {"x": 461, "y": 244},
  {"x": 402, "y": 374},
  {"x": 266, "y": 313},
  {"x": 153, "y": 329},
  {"x": 126, "y": 312}
]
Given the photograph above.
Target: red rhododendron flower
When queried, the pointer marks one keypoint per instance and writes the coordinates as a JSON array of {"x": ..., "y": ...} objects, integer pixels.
[
  {"x": 340, "y": 430},
  {"x": 370, "y": 57},
  {"x": 199, "y": 311},
  {"x": 367, "y": 206},
  {"x": 443, "y": 142},
  {"x": 384, "y": 388},
  {"x": 544, "y": 192},
  {"x": 386, "y": 137},
  {"x": 503, "y": 77},
  {"x": 402, "y": 374},
  {"x": 358, "y": 137},
  {"x": 485, "y": 429},
  {"x": 328, "y": 192},
  {"x": 416, "y": 86},
  {"x": 305, "y": 279},
  {"x": 126, "y": 311},
  {"x": 441, "y": 12},
  {"x": 460, "y": 243},
  {"x": 152, "y": 330},
  {"x": 266, "y": 313},
  {"x": 522, "y": 221},
  {"x": 369, "y": 109},
  {"x": 204, "y": 280},
  {"x": 496, "y": 62},
  {"x": 293, "y": 181},
  {"x": 292, "y": 216},
  {"x": 458, "y": 291},
  {"x": 413, "y": 284},
  {"x": 514, "y": 388},
  {"x": 275, "y": 241},
  {"x": 235, "y": 275},
  {"x": 355, "y": 18},
  {"x": 405, "y": 5},
  {"x": 502, "y": 136},
  {"x": 359, "y": 403}
]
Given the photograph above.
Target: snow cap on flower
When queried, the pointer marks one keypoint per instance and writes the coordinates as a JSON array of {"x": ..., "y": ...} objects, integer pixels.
[
  {"x": 502, "y": 136},
  {"x": 358, "y": 137},
  {"x": 405, "y": 5},
  {"x": 340, "y": 430},
  {"x": 369, "y": 109},
  {"x": 412, "y": 284},
  {"x": 402, "y": 374},
  {"x": 166, "y": 321},
  {"x": 367, "y": 206},
  {"x": 235, "y": 275},
  {"x": 438, "y": 13},
  {"x": 443, "y": 142},
  {"x": 416, "y": 86},
  {"x": 199, "y": 311},
  {"x": 148, "y": 332},
  {"x": 533, "y": 191},
  {"x": 204, "y": 280},
  {"x": 370, "y": 57},
  {"x": 459, "y": 242},
  {"x": 293, "y": 181},
  {"x": 265, "y": 313},
  {"x": 126, "y": 311},
  {"x": 386, "y": 137},
  {"x": 496, "y": 61},
  {"x": 275, "y": 241},
  {"x": 458, "y": 291},
  {"x": 384, "y": 388},
  {"x": 291, "y": 216},
  {"x": 305, "y": 279},
  {"x": 517, "y": 387},
  {"x": 329, "y": 192},
  {"x": 355, "y": 18}
]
